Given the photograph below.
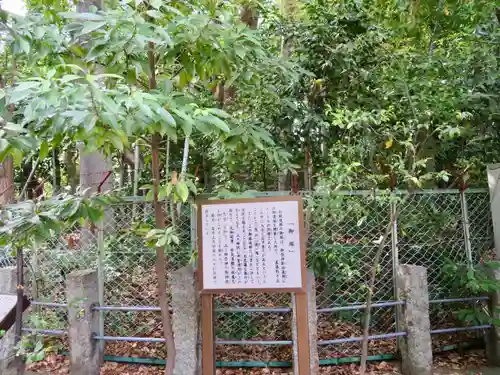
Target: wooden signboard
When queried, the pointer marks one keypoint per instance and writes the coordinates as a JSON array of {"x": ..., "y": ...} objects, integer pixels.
[
  {"x": 8, "y": 304},
  {"x": 252, "y": 245}
]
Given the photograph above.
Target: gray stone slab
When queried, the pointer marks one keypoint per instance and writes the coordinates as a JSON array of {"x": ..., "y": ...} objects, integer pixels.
[
  {"x": 186, "y": 321},
  {"x": 416, "y": 348},
  {"x": 7, "y": 304},
  {"x": 82, "y": 294},
  {"x": 8, "y": 276}
]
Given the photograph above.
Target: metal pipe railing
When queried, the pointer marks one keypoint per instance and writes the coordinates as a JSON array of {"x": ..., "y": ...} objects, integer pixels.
[{"x": 276, "y": 310}]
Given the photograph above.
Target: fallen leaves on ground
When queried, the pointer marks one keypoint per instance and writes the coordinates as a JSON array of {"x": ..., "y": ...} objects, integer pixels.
[{"x": 59, "y": 365}]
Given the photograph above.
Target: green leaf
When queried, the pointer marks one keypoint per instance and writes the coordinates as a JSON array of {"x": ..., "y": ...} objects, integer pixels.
[
  {"x": 156, "y": 3},
  {"x": 146, "y": 110},
  {"x": 182, "y": 191},
  {"x": 186, "y": 121},
  {"x": 38, "y": 356},
  {"x": 88, "y": 27},
  {"x": 18, "y": 95},
  {"x": 44, "y": 150},
  {"x": 94, "y": 214},
  {"x": 82, "y": 16},
  {"x": 69, "y": 77},
  {"x": 219, "y": 113},
  {"x": 162, "y": 241},
  {"x": 25, "y": 45},
  {"x": 39, "y": 32},
  {"x": 416, "y": 181},
  {"x": 14, "y": 127},
  {"x": 166, "y": 116},
  {"x": 116, "y": 141},
  {"x": 162, "y": 193},
  {"x": 76, "y": 117},
  {"x": 217, "y": 122},
  {"x": 184, "y": 78},
  {"x": 154, "y": 14},
  {"x": 151, "y": 234},
  {"x": 173, "y": 10}
]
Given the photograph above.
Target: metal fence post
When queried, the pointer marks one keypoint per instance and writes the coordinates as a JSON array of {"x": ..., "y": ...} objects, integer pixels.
[
  {"x": 136, "y": 177},
  {"x": 193, "y": 226},
  {"x": 395, "y": 260},
  {"x": 466, "y": 227},
  {"x": 100, "y": 277}
]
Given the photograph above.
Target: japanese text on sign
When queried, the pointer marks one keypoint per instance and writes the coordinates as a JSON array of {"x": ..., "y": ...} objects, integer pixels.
[{"x": 251, "y": 245}]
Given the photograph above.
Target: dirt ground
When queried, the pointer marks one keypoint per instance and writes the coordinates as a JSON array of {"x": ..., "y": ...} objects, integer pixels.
[
  {"x": 442, "y": 371},
  {"x": 451, "y": 363}
]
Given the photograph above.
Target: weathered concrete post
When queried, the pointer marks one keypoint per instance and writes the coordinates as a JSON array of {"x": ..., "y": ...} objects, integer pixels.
[
  {"x": 8, "y": 285},
  {"x": 492, "y": 336},
  {"x": 313, "y": 327},
  {"x": 186, "y": 321},
  {"x": 494, "y": 187},
  {"x": 416, "y": 348},
  {"x": 82, "y": 295}
]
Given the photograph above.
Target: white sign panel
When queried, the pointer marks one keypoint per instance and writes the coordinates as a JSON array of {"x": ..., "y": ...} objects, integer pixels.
[{"x": 252, "y": 245}]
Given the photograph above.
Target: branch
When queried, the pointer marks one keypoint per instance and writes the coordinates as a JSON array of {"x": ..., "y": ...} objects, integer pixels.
[
  {"x": 160, "y": 263},
  {"x": 371, "y": 287},
  {"x": 32, "y": 173}
]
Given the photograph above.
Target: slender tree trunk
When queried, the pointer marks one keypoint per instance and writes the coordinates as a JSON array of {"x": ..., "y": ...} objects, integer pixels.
[
  {"x": 288, "y": 9},
  {"x": 71, "y": 170},
  {"x": 307, "y": 169},
  {"x": 123, "y": 172},
  {"x": 185, "y": 162},
  {"x": 6, "y": 169},
  {"x": 94, "y": 166},
  {"x": 371, "y": 287},
  {"x": 161, "y": 261},
  {"x": 56, "y": 165},
  {"x": 6, "y": 181},
  {"x": 250, "y": 16},
  {"x": 167, "y": 171},
  {"x": 96, "y": 169},
  {"x": 19, "y": 308}
]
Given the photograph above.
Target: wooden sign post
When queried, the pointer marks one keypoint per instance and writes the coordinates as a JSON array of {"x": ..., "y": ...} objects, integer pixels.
[{"x": 252, "y": 245}]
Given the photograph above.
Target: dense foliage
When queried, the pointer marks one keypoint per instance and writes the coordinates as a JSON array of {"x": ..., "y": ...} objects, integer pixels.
[{"x": 346, "y": 94}]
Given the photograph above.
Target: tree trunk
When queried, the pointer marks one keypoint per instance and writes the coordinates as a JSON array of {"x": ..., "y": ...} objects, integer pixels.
[
  {"x": 94, "y": 166},
  {"x": 307, "y": 169},
  {"x": 71, "y": 170},
  {"x": 161, "y": 261},
  {"x": 6, "y": 169},
  {"x": 6, "y": 181},
  {"x": 56, "y": 165},
  {"x": 250, "y": 16},
  {"x": 288, "y": 10}
]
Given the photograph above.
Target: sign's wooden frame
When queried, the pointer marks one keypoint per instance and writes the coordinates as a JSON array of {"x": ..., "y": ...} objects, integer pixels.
[
  {"x": 207, "y": 303},
  {"x": 303, "y": 267}
]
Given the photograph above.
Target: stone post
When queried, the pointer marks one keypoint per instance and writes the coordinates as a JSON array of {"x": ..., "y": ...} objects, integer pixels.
[
  {"x": 492, "y": 336},
  {"x": 8, "y": 285},
  {"x": 186, "y": 321},
  {"x": 82, "y": 294},
  {"x": 416, "y": 348},
  {"x": 494, "y": 187},
  {"x": 313, "y": 327}
]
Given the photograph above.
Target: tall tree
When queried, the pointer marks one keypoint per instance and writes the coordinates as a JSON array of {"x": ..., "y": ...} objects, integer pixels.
[
  {"x": 95, "y": 167},
  {"x": 6, "y": 167}
]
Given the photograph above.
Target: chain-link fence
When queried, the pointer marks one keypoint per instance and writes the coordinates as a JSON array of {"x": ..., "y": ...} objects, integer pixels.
[{"x": 344, "y": 232}]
